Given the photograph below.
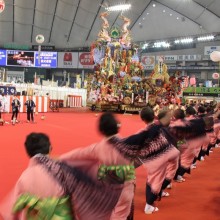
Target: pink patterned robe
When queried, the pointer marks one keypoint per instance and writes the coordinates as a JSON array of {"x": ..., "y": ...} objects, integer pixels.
[
  {"x": 45, "y": 178},
  {"x": 29, "y": 179},
  {"x": 105, "y": 154},
  {"x": 217, "y": 129}
]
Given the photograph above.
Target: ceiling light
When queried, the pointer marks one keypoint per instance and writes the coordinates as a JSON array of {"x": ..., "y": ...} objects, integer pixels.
[
  {"x": 161, "y": 44},
  {"x": 145, "y": 46},
  {"x": 186, "y": 40},
  {"x": 154, "y": 5},
  {"x": 171, "y": 14},
  {"x": 120, "y": 7},
  {"x": 177, "y": 18},
  {"x": 177, "y": 41},
  {"x": 143, "y": 18},
  {"x": 147, "y": 13},
  {"x": 206, "y": 38},
  {"x": 164, "y": 11}
]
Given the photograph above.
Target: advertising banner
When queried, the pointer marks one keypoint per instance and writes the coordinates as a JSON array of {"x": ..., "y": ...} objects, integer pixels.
[
  {"x": 148, "y": 62},
  {"x": 68, "y": 59},
  {"x": 85, "y": 60}
]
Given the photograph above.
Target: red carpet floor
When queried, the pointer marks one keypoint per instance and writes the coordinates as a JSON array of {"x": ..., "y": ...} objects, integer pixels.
[{"x": 198, "y": 198}]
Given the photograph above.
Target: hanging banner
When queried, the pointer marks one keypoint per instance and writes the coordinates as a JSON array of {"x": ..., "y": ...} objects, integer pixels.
[
  {"x": 210, "y": 49},
  {"x": 85, "y": 60},
  {"x": 167, "y": 57},
  {"x": 147, "y": 62},
  {"x": 68, "y": 59},
  {"x": 180, "y": 57},
  {"x": 189, "y": 57}
]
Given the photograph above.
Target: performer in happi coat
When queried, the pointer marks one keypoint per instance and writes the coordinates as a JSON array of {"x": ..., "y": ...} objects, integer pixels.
[
  {"x": 114, "y": 167},
  {"x": 30, "y": 109},
  {"x": 15, "y": 109},
  {"x": 50, "y": 189}
]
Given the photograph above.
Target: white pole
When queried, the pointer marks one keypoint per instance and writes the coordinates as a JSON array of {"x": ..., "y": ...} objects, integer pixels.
[
  {"x": 147, "y": 96},
  {"x": 132, "y": 98}
]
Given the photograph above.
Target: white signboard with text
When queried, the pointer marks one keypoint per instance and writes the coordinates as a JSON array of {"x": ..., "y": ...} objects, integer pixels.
[{"x": 68, "y": 59}]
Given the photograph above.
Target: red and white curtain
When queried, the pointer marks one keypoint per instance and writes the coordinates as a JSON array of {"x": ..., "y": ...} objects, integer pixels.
[{"x": 74, "y": 101}]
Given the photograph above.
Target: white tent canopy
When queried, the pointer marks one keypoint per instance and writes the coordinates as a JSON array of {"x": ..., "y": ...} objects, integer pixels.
[{"x": 76, "y": 23}]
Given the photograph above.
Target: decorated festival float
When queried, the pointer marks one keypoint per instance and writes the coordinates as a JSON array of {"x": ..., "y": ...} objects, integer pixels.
[{"x": 118, "y": 82}]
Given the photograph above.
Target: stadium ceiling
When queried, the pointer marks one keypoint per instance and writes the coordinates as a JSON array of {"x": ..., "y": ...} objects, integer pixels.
[{"x": 76, "y": 23}]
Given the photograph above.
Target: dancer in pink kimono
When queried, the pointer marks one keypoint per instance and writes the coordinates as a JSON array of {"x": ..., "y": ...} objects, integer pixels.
[
  {"x": 186, "y": 150},
  {"x": 114, "y": 167},
  {"x": 172, "y": 158},
  {"x": 52, "y": 190},
  {"x": 161, "y": 170},
  {"x": 194, "y": 143}
]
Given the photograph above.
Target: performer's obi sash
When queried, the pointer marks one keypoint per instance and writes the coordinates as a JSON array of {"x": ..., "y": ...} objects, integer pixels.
[
  {"x": 116, "y": 174},
  {"x": 44, "y": 208}
]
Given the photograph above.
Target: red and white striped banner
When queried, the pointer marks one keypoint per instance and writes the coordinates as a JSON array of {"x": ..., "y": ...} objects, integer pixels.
[
  {"x": 74, "y": 101},
  {"x": 41, "y": 102}
]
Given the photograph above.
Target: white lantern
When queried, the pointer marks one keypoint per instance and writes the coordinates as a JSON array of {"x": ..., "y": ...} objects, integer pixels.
[
  {"x": 39, "y": 38},
  {"x": 215, "y": 75},
  {"x": 215, "y": 56},
  {"x": 2, "y": 6}
]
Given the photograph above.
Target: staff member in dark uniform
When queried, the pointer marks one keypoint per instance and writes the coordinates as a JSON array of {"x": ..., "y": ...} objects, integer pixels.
[
  {"x": 15, "y": 109},
  {"x": 30, "y": 109}
]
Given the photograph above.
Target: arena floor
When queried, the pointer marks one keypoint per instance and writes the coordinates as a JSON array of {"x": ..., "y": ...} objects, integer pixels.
[{"x": 198, "y": 198}]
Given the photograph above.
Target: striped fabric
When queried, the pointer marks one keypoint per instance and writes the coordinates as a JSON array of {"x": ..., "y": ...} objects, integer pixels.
[
  {"x": 42, "y": 103},
  {"x": 92, "y": 200}
]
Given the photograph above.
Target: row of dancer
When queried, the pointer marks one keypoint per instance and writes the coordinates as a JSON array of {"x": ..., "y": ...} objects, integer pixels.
[{"x": 98, "y": 182}]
